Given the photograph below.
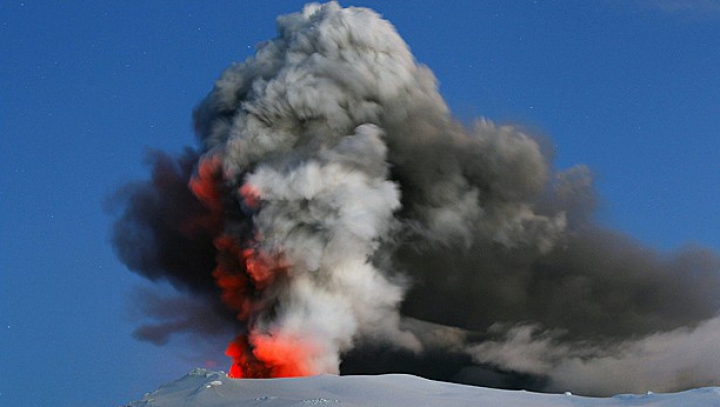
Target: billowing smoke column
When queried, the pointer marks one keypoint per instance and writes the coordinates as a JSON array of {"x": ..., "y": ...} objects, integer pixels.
[{"x": 340, "y": 220}]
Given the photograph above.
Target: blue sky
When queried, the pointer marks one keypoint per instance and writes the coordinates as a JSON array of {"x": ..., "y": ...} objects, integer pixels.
[{"x": 629, "y": 88}]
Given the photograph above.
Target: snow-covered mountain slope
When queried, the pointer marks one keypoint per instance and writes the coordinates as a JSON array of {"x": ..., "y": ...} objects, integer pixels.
[{"x": 203, "y": 388}]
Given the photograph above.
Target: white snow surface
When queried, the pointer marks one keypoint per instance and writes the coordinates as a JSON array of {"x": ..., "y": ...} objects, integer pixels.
[{"x": 204, "y": 388}]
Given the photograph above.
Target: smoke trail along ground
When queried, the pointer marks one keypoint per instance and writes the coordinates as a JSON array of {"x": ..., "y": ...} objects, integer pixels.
[{"x": 334, "y": 192}]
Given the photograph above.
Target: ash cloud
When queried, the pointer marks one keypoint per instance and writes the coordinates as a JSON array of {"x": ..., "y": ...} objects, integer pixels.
[
  {"x": 164, "y": 232},
  {"x": 386, "y": 211}
]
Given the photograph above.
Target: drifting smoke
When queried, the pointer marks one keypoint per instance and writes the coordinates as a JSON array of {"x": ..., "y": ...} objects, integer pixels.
[{"x": 335, "y": 210}]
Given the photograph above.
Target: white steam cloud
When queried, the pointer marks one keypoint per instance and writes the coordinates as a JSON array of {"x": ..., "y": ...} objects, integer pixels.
[{"x": 661, "y": 362}]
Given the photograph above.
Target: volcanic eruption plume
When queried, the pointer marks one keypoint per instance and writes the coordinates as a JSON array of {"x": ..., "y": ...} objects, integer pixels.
[{"x": 335, "y": 209}]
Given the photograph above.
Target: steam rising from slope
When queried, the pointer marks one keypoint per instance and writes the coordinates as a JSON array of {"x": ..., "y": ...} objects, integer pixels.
[{"x": 333, "y": 196}]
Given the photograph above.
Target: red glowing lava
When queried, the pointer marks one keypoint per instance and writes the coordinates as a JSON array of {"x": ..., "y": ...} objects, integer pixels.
[
  {"x": 206, "y": 185},
  {"x": 258, "y": 355},
  {"x": 269, "y": 356},
  {"x": 236, "y": 288},
  {"x": 243, "y": 272},
  {"x": 251, "y": 196},
  {"x": 262, "y": 267}
]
